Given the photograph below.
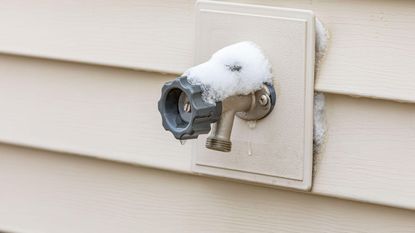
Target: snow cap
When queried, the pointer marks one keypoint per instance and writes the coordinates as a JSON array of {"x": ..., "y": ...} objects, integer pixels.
[{"x": 237, "y": 69}]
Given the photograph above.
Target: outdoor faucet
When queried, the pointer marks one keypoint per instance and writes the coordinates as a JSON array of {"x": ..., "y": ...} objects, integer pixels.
[
  {"x": 186, "y": 114},
  {"x": 235, "y": 81}
]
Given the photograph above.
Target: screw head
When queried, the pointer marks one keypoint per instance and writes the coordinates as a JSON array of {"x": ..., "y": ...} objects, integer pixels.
[
  {"x": 187, "y": 107},
  {"x": 263, "y": 100}
]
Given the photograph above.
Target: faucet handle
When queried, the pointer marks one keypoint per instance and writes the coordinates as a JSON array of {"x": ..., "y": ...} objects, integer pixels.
[{"x": 184, "y": 112}]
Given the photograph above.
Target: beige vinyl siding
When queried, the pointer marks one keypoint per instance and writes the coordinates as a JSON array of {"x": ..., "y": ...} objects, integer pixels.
[
  {"x": 90, "y": 110},
  {"x": 50, "y": 192},
  {"x": 81, "y": 79},
  {"x": 111, "y": 113},
  {"x": 372, "y": 47}
]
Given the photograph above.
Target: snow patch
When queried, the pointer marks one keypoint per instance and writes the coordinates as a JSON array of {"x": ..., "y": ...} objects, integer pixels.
[
  {"x": 237, "y": 69},
  {"x": 319, "y": 121},
  {"x": 322, "y": 38}
]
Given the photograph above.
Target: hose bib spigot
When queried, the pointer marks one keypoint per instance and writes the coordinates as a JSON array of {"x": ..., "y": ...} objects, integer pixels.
[
  {"x": 186, "y": 115},
  {"x": 236, "y": 81},
  {"x": 183, "y": 111}
]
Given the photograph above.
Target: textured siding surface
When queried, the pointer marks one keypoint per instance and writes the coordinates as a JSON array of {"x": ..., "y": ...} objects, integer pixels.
[
  {"x": 50, "y": 192},
  {"x": 81, "y": 79},
  {"x": 372, "y": 46},
  {"x": 111, "y": 113}
]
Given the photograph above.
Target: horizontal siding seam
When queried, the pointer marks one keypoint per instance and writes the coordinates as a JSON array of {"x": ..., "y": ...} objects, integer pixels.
[
  {"x": 184, "y": 170},
  {"x": 318, "y": 87}
]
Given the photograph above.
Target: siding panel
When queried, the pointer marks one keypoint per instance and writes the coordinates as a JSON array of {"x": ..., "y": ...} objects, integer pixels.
[
  {"x": 371, "y": 52},
  {"x": 370, "y": 151},
  {"x": 111, "y": 113},
  {"x": 50, "y": 192},
  {"x": 90, "y": 110}
]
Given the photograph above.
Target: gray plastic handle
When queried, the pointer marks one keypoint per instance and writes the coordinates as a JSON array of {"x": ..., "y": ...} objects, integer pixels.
[{"x": 183, "y": 111}]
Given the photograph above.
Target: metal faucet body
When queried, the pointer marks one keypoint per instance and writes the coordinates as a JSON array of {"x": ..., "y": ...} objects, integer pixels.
[
  {"x": 186, "y": 115},
  {"x": 220, "y": 134},
  {"x": 253, "y": 106}
]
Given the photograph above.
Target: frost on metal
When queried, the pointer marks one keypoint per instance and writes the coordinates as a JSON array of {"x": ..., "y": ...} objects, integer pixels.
[{"x": 238, "y": 69}]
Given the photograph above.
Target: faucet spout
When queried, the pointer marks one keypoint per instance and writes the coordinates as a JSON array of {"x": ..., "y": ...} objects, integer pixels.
[{"x": 220, "y": 135}]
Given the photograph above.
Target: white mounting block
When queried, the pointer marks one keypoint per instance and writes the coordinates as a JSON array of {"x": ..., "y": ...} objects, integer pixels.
[{"x": 278, "y": 149}]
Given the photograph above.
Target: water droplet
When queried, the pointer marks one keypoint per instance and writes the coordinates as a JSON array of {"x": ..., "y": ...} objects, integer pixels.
[
  {"x": 249, "y": 148},
  {"x": 182, "y": 142},
  {"x": 251, "y": 124}
]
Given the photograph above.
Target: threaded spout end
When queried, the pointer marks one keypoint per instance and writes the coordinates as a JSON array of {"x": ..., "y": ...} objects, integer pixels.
[{"x": 218, "y": 144}]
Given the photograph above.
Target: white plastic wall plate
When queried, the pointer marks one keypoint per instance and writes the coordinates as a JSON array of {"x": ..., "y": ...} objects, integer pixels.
[{"x": 278, "y": 151}]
